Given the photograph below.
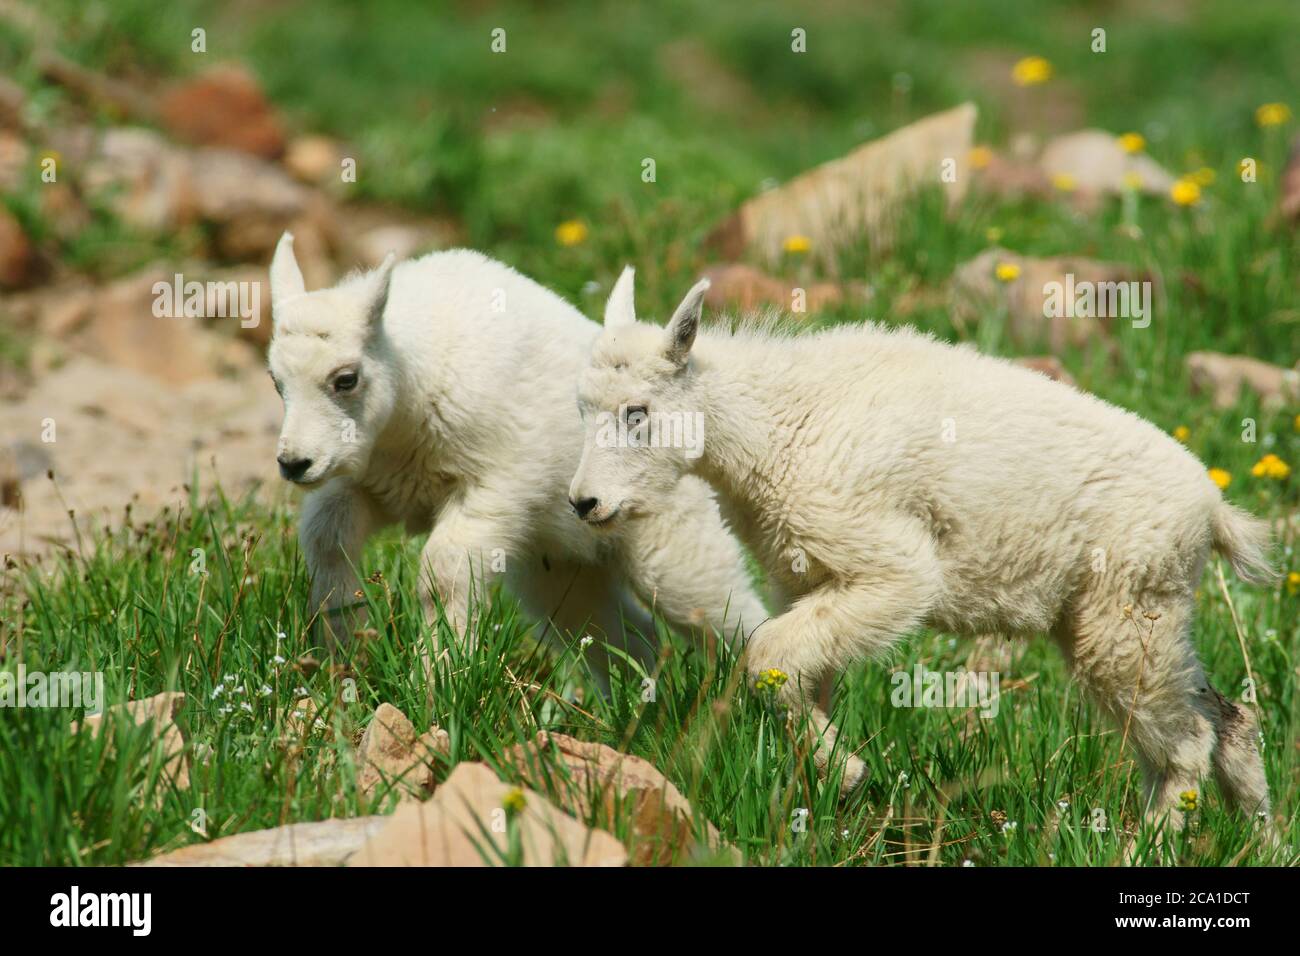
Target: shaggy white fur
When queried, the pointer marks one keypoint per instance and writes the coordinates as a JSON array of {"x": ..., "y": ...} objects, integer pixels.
[
  {"x": 888, "y": 481},
  {"x": 439, "y": 394}
]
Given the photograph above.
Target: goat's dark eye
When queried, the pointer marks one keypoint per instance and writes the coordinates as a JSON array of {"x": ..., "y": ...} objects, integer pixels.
[{"x": 345, "y": 382}]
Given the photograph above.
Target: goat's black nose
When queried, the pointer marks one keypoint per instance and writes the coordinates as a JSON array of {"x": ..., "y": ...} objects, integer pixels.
[
  {"x": 291, "y": 469},
  {"x": 582, "y": 506}
]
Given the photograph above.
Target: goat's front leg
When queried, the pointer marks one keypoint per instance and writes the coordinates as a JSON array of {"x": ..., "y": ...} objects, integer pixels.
[
  {"x": 827, "y": 630},
  {"x": 684, "y": 565},
  {"x": 336, "y": 520},
  {"x": 475, "y": 536}
]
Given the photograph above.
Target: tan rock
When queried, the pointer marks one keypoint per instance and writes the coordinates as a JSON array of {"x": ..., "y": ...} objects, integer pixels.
[
  {"x": 162, "y": 435},
  {"x": 976, "y": 287},
  {"x": 18, "y": 260},
  {"x": 391, "y": 754},
  {"x": 320, "y": 843},
  {"x": 158, "y": 187},
  {"x": 225, "y": 107},
  {"x": 854, "y": 196},
  {"x": 161, "y": 711},
  {"x": 13, "y": 104},
  {"x": 597, "y": 782},
  {"x": 315, "y": 160},
  {"x": 1048, "y": 365},
  {"x": 744, "y": 288},
  {"x": 473, "y": 820},
  {"x": 145, "y": 181},
  {"x": 1097, "y": 165},
  {"x": 1010, "y": 177},
  {"x": 372, "y": 247},
  {"x": 251, "y": 202},
  {"x": 1224, "y": 377},
  {"x": 15, "y": 155},
  {"x": 123, "y": 330}
]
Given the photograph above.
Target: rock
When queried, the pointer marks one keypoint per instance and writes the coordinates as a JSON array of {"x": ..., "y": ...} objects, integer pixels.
[
  {"x": 157, "y": 187},
  {"x": 1224, "y": 376},
  {"x": 391, "y": 754},
  {"x": 851, "y": 197},
  {"x": 13, "y": 104},
  {"x": 20, "y": 461},
  {"x": 468, "y": 822},
  {"x": 251, "y": 201},
  {"x": 372, "y": 247},
  {"x": 1048, "y": 365},
  {"x": 118, "y": 324},
  {"x": 1009, "y": 176},
  {"x": 18, "y": 261},
  {"x": 142, "y": 178},
  {"x": 315, "y": 160},
  {"x": 161, "y": 435},
  {"x": 1097, "y": 165},
  {"x": 15, "y": 155},
  {"x": 223, "y": 106},
  {"x": 160, "y": 711},
  {"x": 321, "y": 843},
  {"x": 976, "y": 287},
  {"x": 64, "y": 212},
  {"x": 602, "y": 784},
  {"x": 744, "y": 288}
]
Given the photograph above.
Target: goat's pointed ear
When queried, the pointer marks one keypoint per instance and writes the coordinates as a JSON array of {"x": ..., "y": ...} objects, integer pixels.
[
  {"x": 621, "y": 307},
  {"x": 286, "y": 277},
  {"x": 380, "y": 280},
  {"x": 685, "y": 323}
]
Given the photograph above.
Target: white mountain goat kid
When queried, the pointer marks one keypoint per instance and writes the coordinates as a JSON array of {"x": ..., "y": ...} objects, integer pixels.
[
  {"x": 439, "y": 394},
  {"x": 888, "y": 481}
]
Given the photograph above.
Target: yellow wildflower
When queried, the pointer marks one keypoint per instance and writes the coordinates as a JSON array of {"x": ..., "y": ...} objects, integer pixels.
[
  {"x": 980, "y": 157},
  {"x": 797, "y": 245},
  {"x": 1064, "y": 182},
  {"x": 514, "y": 802},
  {"x": 770, "y": 679},
  {"x": 1271, "y": 466},
  {"x": 1031, "y": 71},
  {"x": 1185, "y": 192},
  {"x": 1293, "y": 583},
  {"x": 1132, "y": 142},
  {"x": 1182, "y": 433},
  {"x": 1188, "y": 800},
  {"x": 571, "y": 233},
  {"x": 1220, "y": 477},
  {"x": 1272, "y": 114},
  {"x": 1007, "y": 272}
]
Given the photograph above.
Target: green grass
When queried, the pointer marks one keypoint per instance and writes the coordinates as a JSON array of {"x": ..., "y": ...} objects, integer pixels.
[
  {"x": 580, "y": 98},
  {"x": 136, "y": 608}
]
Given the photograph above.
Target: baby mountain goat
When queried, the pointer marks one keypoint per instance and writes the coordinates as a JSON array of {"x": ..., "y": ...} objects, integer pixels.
[
  {"x": 438, "y": 394},
  {"x": 888, "y": 481}
]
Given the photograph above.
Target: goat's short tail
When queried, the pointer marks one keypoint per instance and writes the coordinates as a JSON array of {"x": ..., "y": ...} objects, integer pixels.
[{"x": 1244, "y": 540}]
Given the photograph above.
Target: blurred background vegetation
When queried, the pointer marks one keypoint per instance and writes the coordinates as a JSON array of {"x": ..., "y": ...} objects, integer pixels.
[{"x": 510, "y": 145}]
